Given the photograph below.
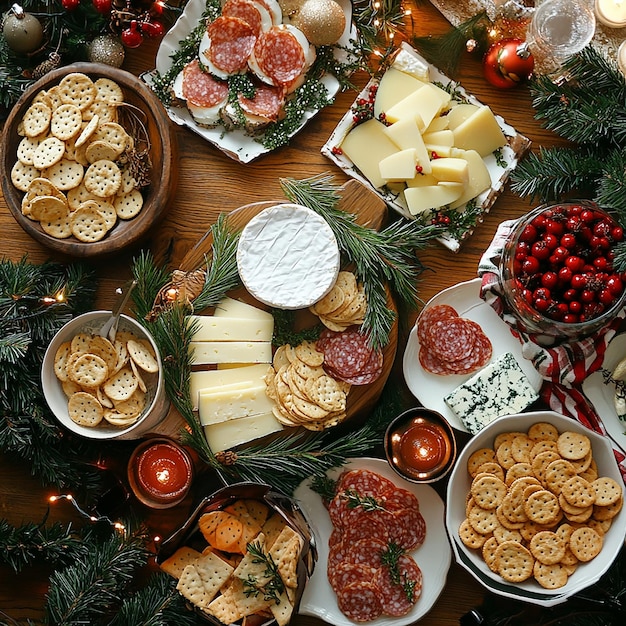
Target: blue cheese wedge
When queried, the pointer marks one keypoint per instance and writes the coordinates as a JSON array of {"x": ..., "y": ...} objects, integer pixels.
[
  {"x": 288, "y": 257},
  {"x": 501, "y": 388}
]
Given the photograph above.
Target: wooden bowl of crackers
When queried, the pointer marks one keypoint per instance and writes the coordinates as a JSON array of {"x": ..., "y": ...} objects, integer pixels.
[
  {"x": 244, "y": 556},
  {"x": 87, "y": 154},
  {"x": 103, "y": 387},
  {"x": 535, "y": 507}
]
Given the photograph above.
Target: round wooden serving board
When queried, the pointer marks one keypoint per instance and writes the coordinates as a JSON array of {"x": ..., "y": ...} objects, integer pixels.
[{"x": 370, "y": 211}]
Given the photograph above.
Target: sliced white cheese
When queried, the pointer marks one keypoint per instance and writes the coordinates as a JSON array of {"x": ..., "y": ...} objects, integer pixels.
[
  {"x": 229, "y": 307},
  {"x": 215, "y": 406},
  {"x": 212, "y": 328},
  {"x": 439, "y": 138},
  {"x": 427, "y": 102},
  {"x": 399, "y": 166},
  {"x": 288, "y": 257},
  {"x": 366, "y": 145},
  {"x": 212, "y": 352},
  {"x": 479, "y": 177},
  {"x": 216, "y": 379},
  {"x": 480, "y": 132},
  {"x": 459, "y": 113},
  {"x": 439, "y": 123},
  {"x": 236, "y": 432},
  {"x": 420, "y": 199},
  {"x": 449, "y": 169},
  {"x": 422, "y": 180},
  {"x": 393, "y": 87},
  {"x": 406, "y": 135},
  {"x": 501, "y": 388}
]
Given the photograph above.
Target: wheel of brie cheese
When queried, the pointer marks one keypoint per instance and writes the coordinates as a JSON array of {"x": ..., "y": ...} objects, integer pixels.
[{"x": 288, "y": 257}]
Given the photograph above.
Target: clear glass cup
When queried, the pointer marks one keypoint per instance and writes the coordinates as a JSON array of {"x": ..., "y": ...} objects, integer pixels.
[{"x": 560, "y": 28}]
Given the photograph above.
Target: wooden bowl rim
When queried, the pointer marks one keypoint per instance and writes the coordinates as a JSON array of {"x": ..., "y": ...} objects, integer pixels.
[{"x": 160, "y": 191}]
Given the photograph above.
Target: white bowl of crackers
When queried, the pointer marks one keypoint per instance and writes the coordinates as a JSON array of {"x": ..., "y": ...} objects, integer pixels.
[
  {"x": 104, "y": 388},
  {"x": 87, "y": 154},
  {"x": 244, "y": 556},
  {"x": 535, "y": 507}
]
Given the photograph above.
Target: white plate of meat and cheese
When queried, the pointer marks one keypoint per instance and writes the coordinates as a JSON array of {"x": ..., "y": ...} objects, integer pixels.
[
  {"x": 431, "y": 389},
  {"x": 433, "y": 555},
  {"x": 241, "y": 143}
]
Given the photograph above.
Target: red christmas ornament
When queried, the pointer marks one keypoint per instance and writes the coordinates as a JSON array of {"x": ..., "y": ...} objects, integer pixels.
[
  {"x": 131, "y": 37},
  {"x": 153, "y": 28},
  {"x": 102, "y": 6},
  {"x": 508, "y": 63},
  {"x": 70, "y": 5}
]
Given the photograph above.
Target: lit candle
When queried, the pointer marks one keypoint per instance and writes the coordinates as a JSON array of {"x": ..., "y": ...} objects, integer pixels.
[
  {"x": 611, "y": 13},
  {"x": 160, "y": 473}
]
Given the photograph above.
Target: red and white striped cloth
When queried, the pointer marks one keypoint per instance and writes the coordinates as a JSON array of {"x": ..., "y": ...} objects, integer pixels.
[{"x": 563, "y": 365}]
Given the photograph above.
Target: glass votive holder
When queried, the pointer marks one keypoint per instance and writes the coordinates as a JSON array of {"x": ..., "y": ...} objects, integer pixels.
[
  {"x": 561, "y": 28},
  {"x": 160, "y": 473}
]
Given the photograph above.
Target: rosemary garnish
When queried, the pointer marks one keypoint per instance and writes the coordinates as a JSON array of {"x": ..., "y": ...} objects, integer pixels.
[
  {"x": 380, "y": 257},
  {"x": 389, "y": 558},
  {"x": 286, "y": 333},
  {"x": 274, "y": 586},
  {"x": 324, "y": 486},
  {"x": 367, "y": 503}
]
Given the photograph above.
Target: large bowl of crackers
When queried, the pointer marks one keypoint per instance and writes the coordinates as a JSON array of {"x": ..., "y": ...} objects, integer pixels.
[
  {"x": 105, "y": 387},
  {"x": 244, "y": 556},
  {"x": 87, "y": 154},
  {"x": 535, "y": 507}
]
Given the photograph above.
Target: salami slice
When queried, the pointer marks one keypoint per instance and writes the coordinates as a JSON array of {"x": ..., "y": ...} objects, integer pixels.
[
  {"x": 450, "y": 339},
  {"x": 366, "y": 552},
  {"x": 232, "y": 41},
  {"x": 409, "y": 530},
  {"x": 347, "y": 573},
  {"x": 267, "y": 102},
  {"x": 398, "y": 598},
  {"x": 430, "y": 315},
  {"x": 245, "y": 10},
  {"x": 200, "y": 88},
  {"x": 360, "y": 601},
  {"x": 346, "y": 353},
  {"x": 370, "y": 372},
  {"x": 432, "y": 363},
  {"x": 280, "y": 55},
  {"x": 398, "y": 498},
  {"x": 364, "y": 482},
  {"x": 362, "y": 524}
]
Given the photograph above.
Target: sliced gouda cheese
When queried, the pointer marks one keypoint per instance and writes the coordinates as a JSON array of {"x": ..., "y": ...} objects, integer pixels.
[
  {"x": 425, "y": 103},
  {"x": 366, "y": 145},
  {"x": 422, "y": 180},
  {"x": 480, "y": 132},
  {"x": 215, "y": 406},
  {"x": 236, "y": 432},
  {"x": 479, "y": 178},
  {"x": 451, "y": 170},
  {"x": 459, "y": 113},
  {"x": 215, "y": 379},
  {"x": 399, "y": 166},
  {"x": 229, "y": 307},
  {"x": 439, "y": 138},
  {"x": 420, "y": 199},
  {"x": 439, "y": 123},
  {"x": 405, "y": 134},
  {"x": 212, "y": 328},
  {"x": 393, "y": 87},
  {"x": 212, "y": 352}
]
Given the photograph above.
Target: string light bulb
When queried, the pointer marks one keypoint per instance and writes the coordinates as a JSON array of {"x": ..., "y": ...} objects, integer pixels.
[{"x": 88, "y": 516}]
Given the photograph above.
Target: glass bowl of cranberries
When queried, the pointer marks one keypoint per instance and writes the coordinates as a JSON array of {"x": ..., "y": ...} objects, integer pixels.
[{"x": 557, "y": 270}]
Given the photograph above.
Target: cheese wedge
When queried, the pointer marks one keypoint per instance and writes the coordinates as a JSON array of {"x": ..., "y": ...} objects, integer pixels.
[
  {"x": 480, "y": 132},
  {"x": 213, "y": 352},
  {"x": 420, "y": 199},
  {"x": 405, "y": 135},
  {"x": 393, "y": 87},
  {"x": 449, "y": 169},
  {"x": 399, "y": 166},
  {"x": 212, "y": 328},
  {"x": 479, "y": 178},
  {"x": 233, "y": 433},
  {"x": 229, "y": 307},
  {"x": 215, "y": 406},
  {"x": 426, "y": 103}
]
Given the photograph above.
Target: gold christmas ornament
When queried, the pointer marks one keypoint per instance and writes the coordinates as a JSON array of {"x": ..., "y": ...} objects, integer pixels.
[
  {"x": 321, "y": 21},
  {"x": 22, "y": 31},
  {"x": 290, "y": 7},
  {"x": 107, "y": 49}
]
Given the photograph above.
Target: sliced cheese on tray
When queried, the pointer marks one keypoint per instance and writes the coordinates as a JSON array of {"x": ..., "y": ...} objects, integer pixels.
[
  {"x": 394, "y": 86},
  {"x": 229, "y": 307},
  {"x": 214, "y": 352},
  {"x": 234, "y": 402},
  {"x": 236, "y": 432},
  {"x": 480, "y": 132},
  {"x": 217, "y": 328},
  {"x": 215, "y": 379}
]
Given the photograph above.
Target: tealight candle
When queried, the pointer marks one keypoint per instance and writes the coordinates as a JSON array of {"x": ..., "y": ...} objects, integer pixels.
[
  {"x": 160, "y": 473},
  {"x": 611, "y": 13},
  {"x": 621, "y": 57}
]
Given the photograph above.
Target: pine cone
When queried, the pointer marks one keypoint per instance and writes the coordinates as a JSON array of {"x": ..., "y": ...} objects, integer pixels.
[
  {"x": 226, "y": 457},
  {"x": 53, "y": 61}
]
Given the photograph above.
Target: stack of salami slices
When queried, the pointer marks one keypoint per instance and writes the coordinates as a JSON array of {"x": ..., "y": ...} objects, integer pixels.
[
  {"x": 367, "y": 584},
  {"x": 450, "y": 344},
  {"x": 349, "y": 357},
  {"x": 249, "y": 37}
]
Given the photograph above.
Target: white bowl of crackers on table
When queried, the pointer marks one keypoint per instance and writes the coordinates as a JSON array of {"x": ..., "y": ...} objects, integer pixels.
[
  {"x": 86, "y": 160},
  {"x": 243, "y": 556},
  {"x": 535, "y": 507},
  {"x": 104, "y": 387}
]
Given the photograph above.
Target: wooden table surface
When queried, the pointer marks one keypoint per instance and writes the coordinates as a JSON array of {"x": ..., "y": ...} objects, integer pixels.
[{"x": 210, "y": 183}]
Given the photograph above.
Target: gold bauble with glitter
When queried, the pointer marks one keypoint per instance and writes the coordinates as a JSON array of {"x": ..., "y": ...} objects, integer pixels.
[
  {"x": 107, "y": 49},
  {"x": 321, "y": 21}
]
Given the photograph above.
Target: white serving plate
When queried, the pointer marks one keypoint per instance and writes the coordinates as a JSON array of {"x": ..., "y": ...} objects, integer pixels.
[
  {"x": 458, "y": 487},
  {"x": 235, "y": 143},
  {"x": 499, "y": 171},
  {"x": 431, "y": 389},
  {"x": 600, "y": 393},
  {"x": 433, "y": 556}
]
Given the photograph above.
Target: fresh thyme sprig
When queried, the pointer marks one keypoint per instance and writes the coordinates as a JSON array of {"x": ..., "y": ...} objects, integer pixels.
[
  {"x": 274, "y": 586},
  {"x": 390, "y": 557},
  {"x": 380, "y": 257}
]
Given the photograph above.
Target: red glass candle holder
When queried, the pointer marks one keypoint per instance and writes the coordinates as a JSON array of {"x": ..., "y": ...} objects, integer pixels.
[{"x": 160, "y": 473}]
